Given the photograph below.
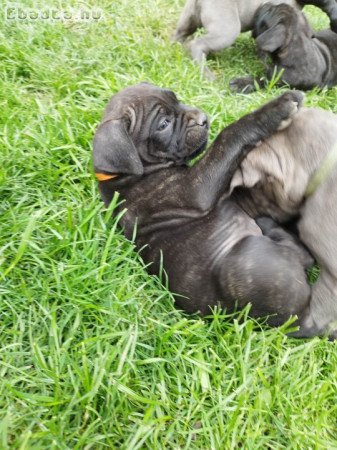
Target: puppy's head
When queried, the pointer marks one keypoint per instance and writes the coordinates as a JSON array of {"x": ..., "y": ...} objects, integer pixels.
[
  {"x": 145, "y": 126},
  {"x": 276, "y": 25}
]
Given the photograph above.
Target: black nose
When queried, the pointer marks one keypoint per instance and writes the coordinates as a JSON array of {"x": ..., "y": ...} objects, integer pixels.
[
  {"x": 202, "y": 120},
  {"x": 199, "y": 118}
]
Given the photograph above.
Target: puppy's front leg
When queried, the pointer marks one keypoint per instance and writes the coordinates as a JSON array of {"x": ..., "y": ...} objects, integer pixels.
[{"x": 211, "y": 177}]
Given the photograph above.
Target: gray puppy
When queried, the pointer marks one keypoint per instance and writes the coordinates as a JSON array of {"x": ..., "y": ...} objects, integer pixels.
[
  {"x": 212, "y": 251},
  {"x": 294, "y": 174},
  {"x": 224, "y": 20},
  {"x": 307, "y": 59}
]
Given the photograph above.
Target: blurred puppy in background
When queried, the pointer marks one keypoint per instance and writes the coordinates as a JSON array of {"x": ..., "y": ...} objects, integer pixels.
[
  {"x": 304, "y": 59},
  {"x": 224, "y": 20}
]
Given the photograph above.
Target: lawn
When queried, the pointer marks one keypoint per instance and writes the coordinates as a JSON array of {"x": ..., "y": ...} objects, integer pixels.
[{"x": 93, "y": 354}]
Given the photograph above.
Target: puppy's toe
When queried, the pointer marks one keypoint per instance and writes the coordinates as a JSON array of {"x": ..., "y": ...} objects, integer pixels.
[
  {"x": 295, "y": 96},
  {"x": 294, "y": 100}
]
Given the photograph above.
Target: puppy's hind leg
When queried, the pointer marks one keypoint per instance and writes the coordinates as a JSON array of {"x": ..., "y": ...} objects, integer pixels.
[
  {"x": 268, "y": 275},
  {"x": 222, "y": 28},
  {"x": 188, "y": 22}
]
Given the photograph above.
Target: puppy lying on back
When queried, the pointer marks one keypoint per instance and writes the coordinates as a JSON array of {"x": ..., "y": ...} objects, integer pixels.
[
  {"x": 294, "y": 174},
  {"x": 213, "y": 252},
  {"x": 307, "y": 59},
  {"x": 224, "y": 20}
]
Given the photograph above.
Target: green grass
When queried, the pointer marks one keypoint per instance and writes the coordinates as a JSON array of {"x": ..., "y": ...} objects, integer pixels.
[{"x": 93, "y": 354}]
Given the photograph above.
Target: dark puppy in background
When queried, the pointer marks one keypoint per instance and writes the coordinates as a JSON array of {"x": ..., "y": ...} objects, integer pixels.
[
  {"x": 213, "y": 252},
  {"x": 224, "y": 20},
  {"x": 307, "y": 59}
]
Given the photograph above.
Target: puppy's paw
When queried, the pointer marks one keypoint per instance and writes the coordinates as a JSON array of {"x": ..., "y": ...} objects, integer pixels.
[
  {"x": 242, "y": 85},
  {"x": 292, "y": 100},
  {"x": 285, "y": 107},
  {"x": 208, "y": 74},
  {"x": 178, "y": 37},
  {"x": 305, "y": 330},
  {"x": 200, "y": 57},
  {"x": 308, "y": 327},
  {"x": 294, "y": 106}
]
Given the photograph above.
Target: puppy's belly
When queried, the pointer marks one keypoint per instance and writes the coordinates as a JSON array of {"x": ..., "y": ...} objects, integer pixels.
[
  {"x": 194, "y": 253},
  {"x": 228, "y": 233}
]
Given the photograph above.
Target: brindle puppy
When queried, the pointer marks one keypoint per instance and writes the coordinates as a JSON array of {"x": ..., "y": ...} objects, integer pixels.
[{"x": 213, "y": 252}]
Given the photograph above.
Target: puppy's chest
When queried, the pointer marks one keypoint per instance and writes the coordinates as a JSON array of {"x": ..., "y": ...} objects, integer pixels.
[
  {"x": 156, "y": 222},
  {"x": 208, "y": 238},
  {"x": 162, "y": 224}
]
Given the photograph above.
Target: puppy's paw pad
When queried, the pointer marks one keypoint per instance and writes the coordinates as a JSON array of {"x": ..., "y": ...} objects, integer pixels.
[{"x": 289, "y": 105}]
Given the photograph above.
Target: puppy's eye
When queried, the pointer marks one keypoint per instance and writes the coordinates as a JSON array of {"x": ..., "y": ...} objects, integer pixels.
[{"x": 163, "y": 124}]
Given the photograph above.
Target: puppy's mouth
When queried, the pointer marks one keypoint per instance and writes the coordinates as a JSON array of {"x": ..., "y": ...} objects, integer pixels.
[{"x": 197, "y": 151}]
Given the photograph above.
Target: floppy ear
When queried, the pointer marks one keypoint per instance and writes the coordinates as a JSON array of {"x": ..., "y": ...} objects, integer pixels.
[
  {"x": 113, "y": 150},
  {"x": 272, "y": 39}
]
